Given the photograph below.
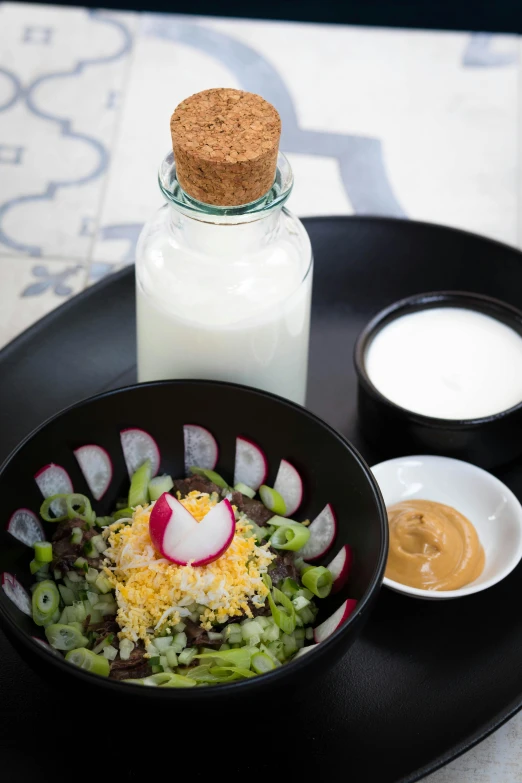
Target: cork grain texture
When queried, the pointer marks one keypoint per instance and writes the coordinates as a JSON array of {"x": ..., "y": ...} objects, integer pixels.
[{"x": 225, "y": 144}]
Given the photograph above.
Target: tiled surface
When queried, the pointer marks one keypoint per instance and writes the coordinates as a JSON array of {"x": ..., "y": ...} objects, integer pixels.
[{"x": 406, "y": 123}]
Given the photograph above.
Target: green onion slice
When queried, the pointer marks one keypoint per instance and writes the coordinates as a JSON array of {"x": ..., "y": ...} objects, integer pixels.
[
  {"x": 43, "y": 551},
  {"x": 239, "y": 657},
  {"x": 211, "y": 475},
  {"x": 65, "y": 637},
  {"x": 86, "y": 659},
  {"x": 45, "y": 508},
  {"x": 319, "y": 580},
  {"x": 284, "y": 614},
  {"x": 79, "y": 507},
  {"x": 45, "y": 602}
]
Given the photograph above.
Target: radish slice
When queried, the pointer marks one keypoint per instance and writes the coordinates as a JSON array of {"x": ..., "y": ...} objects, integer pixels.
[
  {"x": 179, "y": 538},
  {"x": 54, "y": 480},
  {"x": 47, "y": 646},
  {"x": 340, "y": 568},
  {"x": 201, "y": 449},
  {"x": 16, "y": 593},
  {"x": 289, "y": 485},
  {"x": 325, "y": 629},
  {"x": 137, "y": 446},
  {"x": 304, "y": 650},
  {"x": 322, "y": 535},
  {"x": 96, "y": 466},
  {"x": 26, "y": 527},
  {"x": 251, "y": 467}
]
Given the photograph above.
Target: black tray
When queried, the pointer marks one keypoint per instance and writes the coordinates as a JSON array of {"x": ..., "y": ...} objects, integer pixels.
[{"x": 426, "y": 680}]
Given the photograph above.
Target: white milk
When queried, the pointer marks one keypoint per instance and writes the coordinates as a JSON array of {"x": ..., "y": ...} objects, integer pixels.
[
  {"x": 225, "y": 302},
  {"x": 447, "y": 362}
]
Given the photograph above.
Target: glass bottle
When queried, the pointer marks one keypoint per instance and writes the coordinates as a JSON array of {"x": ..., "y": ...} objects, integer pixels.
[{"x": 224, "y": 293}]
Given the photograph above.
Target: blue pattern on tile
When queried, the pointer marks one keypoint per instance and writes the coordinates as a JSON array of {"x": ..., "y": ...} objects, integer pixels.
[
  {"x": 11, "y": 154},
  {"x": 479, "y": 54},
  {"x": 66, "y": 129},
  {"x": 17, "y": 88},
  {"x": 51, "y": 281},
  {"x": 128, "y": 231},
  {"x": 36, "y": 34},
  {"x": 360, "y": 158}
]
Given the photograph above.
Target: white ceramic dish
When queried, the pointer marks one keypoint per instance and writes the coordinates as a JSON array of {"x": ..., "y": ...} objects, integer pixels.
[{"x": 489, "y": 505}]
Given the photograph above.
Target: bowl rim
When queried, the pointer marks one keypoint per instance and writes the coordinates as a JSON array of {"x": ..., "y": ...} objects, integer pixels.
[
  {"x": 485, "y": 477},
  {"x": 279, "y": 673},
  {"x": 488, "y": 305}
]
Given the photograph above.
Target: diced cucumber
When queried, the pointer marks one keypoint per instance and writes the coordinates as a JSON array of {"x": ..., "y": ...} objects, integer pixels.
[
  {"x": 270, "y": 653},
  {"x": 126, "y": 647},
  {"x": 139, "y": 488},
  {"x": 179, "y": 641},
  {"x": 264, "y": 622},
  {"x": 299, "y": 633},
  {"x": 214, "y": 637},
  {"x": 289, "y": 644},
  {"x": 99, "y": 543},
  {"x": 171, "y": 657},
  {"x": 162, "y": 642},
  {"x": 300, "y": 603},
  {"x": 76, "y": 535},
  {"x": 159, "y": 485},
  {"x": 309, "y": 633},
  {"x": 271, "y": 634},
  {"x": 92, "y": 575},
  {"x": 67, "y": 595},
  {"x": 103, "y": 584},
  {"x": 179, "y": 627},
  {"x": 224, "y": 646},
  {"x": 251, "y": 629},
  {"x": 186, "y": 656}
]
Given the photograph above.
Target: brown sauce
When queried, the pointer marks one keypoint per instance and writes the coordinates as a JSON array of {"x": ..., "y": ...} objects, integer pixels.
[{"x": 432, "y": 546}]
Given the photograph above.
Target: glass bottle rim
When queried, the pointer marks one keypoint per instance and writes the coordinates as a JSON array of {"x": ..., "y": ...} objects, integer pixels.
[{"x": 175, "y": 195}]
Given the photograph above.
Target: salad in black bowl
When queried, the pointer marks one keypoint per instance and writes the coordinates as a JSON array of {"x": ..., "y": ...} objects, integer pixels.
[{"x": 188, "y": 534}]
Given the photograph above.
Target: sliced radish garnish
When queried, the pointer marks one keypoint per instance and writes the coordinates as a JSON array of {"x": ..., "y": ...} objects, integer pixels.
[
  {"x": 201, "y": 449},
  {"x": 325, "y": 629},
  {"x": 322, "y": 535},
  {"x": 54, "y": 480},
  {"x": 340, "y": 567},
  {"x": 16, "y": 593},
  {"x": 289, "y": 485},
  {"x": 304, "y": 650},
  {"x": 26, "y": 527},
  {"x": 137, "y": 446},
  {"x": 181, "y": 539},
  {"x": 96, "y": 466},
  {"x": 251, "y": 467},
  {"x": 47, "y": 646}
]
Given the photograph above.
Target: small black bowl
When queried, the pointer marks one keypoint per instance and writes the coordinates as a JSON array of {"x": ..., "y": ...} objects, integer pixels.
[
  {"x": 395, "y": 431},
  {"x": 331, "y": 469}
]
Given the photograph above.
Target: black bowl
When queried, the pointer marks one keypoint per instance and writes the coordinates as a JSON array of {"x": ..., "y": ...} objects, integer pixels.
[
  {"x": 331, "y": 469},
  {"x": 395, "y": 431}
]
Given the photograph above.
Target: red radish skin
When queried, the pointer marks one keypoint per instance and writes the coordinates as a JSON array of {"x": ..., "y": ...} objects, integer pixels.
[
  {"x": 169, "y": 522},
  {"x": 327, "y": 628},
  {"x": 290, "y": 486},
  {"x": 96, "y": 466},
  {"x": 16, "y": 593},
  {"x": 47, "y": 646},
  {"x": 182, "y": 540},
  {"x": 138, "y": 446},
  {"x": 323, "y": 531},
  {"x": 26, "y": 527},
  {"x": 201, "y": 448},
  {"x": 54, "y": 480},
  {"x": 340, "y": 567},
  {"x": 251, "y": 466}
]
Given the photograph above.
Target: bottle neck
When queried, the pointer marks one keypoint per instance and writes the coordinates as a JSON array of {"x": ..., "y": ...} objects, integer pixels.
[{"x": 212, "y": 235}]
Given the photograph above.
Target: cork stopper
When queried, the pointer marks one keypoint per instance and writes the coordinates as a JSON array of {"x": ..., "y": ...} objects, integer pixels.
[{"x": 225, "y": 145}]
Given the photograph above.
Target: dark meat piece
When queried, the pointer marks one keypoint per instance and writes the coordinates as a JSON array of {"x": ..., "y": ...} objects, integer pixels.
[
  {"x": 194, "y": 483},
  {"x": 197, "y": 636},
  {"x": 282, "y": 567},
  {"x": 65, "y": 553},
  {"x": 254, "y": 509},
  {"x": 104, "y": 629},
  {"x": 136, "y": 667}
]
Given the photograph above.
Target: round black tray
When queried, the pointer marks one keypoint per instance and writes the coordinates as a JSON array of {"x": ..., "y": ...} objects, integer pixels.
[{"x": 426, "y": 680}]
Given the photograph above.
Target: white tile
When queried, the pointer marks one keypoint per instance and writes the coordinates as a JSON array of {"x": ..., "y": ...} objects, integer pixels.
[
  {"x": 55, "y": 143},
  {"x": 30, "y": 288}
]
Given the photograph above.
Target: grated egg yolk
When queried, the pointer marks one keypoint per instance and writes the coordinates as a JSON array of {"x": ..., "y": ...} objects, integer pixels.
[{"x": 153, "y": 594}]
